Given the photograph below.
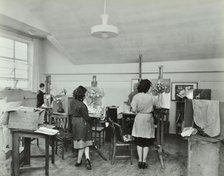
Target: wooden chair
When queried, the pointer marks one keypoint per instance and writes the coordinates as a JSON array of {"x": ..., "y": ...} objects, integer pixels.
[
  {"x": 64, "y": 136},
  {"x": 98, "y": 130},
  {"x": 117, "y": 141}
]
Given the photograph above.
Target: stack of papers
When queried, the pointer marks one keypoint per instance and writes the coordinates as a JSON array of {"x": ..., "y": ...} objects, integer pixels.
[
  {"x": 47, "y": 131},
  {"x": 48, "y": 126}
]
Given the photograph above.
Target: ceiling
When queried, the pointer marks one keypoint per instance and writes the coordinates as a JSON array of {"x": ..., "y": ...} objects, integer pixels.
[{"x": 160, "y": 30}]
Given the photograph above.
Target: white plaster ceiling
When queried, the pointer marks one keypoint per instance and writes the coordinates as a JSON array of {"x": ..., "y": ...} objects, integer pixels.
[{"x": 160, "y": 30}]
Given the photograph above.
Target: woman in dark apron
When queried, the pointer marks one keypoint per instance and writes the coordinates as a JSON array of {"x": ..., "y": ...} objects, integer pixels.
[{"x": 81, "y": 126}]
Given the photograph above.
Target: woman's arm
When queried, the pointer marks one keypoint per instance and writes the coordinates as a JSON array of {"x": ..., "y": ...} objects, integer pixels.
[{"x": 134, "y": 105}]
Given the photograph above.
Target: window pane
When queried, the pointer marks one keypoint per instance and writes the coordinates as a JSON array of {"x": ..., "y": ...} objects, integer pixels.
[
  {"x": 20, "y": 50},
  {"x": 20, "y": 55},
  {"x": 6, "y": 52},
  {"x": 21, "y": 74},
  {"x": 6, "y": 83},
  {"x": 22, "y": 84},
  {"x": 20, "y": 65},
  {"x": 6, "y": 47},
  {"x": 6, "y": 72},
  {"x": 6, "y": 63},
  {"x": 6, "y": 43},
  {"x": 11, "y": 69},
  {"x": 21, "y": 46}
]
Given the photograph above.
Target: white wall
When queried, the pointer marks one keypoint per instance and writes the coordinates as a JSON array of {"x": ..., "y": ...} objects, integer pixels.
[{"x": 116, "y": 78}]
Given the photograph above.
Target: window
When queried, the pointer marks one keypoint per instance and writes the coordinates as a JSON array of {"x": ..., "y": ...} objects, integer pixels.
[{"x": 14, "y": 63}]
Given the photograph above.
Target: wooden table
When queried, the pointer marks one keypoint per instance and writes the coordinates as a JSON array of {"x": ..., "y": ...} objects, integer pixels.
[{"x": 25, "y": 156}]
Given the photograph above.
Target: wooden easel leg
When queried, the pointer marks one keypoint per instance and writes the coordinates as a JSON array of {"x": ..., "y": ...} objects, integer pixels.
[{"x": 160, "y": 154}]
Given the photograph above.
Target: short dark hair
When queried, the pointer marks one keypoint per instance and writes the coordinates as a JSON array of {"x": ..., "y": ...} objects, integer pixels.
[
  {"x": 42, "y": 85},
  {"x": 79, "y": 93},
  {"x": 144, "y": 85}
]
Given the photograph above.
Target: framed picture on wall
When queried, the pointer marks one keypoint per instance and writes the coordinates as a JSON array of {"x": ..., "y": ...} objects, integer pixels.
[
  {"x": 134, "y": 83},
  {"x": 182, "y": 90}
]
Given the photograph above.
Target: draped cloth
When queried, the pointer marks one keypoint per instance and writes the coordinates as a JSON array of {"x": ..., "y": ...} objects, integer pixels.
[{"x": 206, "y": 116}]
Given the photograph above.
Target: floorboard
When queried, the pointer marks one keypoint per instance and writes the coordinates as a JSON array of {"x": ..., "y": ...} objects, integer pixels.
[{"x": 175, "y": 159}]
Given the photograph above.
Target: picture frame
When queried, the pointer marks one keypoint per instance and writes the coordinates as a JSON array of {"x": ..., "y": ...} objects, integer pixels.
[
  {"x": 182, "y": 90},
  {"x": 134, "y": 82}
]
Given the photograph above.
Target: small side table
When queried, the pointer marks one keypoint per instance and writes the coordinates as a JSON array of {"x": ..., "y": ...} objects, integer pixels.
[{"x": 16, "y": 157}]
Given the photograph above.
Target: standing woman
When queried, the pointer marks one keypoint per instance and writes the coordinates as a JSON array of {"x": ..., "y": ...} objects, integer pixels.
[
  {"x": 81, "y": 126},
  {"x": 143, "y": 129}
]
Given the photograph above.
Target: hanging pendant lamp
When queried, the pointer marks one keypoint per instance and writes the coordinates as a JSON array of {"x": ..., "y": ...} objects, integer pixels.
[{"x": 104, "y": 30}]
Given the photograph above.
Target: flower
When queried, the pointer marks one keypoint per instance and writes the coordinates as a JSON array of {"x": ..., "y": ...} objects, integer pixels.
[
  {"x": 58, "y": 99},
  {"x": 159, "y": 88}
]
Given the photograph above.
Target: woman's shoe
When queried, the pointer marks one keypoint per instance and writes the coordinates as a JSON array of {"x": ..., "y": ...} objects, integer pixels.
[
  {"x": 78, "y": 164},
  {"x": 139, "y": 165},
  {"x": 144, "y": 165},
  {"x": 88, "y": 164}
]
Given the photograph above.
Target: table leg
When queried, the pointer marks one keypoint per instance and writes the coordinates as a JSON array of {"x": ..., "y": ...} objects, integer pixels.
[
  {"x": 158, "y": 133},
  {"x": 52, "y": 149},
  {"x": 162, "y": 132},
  {"x": 15, "y": 154},
  {"x": 27, "y": 142},
  {"x": 95, "y": 133},
  {"x": 47, "y": 155}
]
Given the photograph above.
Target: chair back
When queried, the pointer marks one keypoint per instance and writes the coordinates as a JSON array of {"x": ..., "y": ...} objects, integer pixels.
[
  {"x": 116, "y": 131},
  {"x": 61, "y": 122}
]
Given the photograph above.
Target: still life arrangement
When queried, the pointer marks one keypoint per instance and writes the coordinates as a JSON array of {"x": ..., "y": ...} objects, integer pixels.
[{"x": 58, "y": 99}]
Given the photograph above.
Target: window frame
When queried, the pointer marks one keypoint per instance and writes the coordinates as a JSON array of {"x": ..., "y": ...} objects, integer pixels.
[{"x": 23, "y": 39}]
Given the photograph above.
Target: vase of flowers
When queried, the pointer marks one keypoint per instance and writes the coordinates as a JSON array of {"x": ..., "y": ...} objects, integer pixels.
[
  {"x": 60, "y": 105},
  {"x": 60, "y": 108}
]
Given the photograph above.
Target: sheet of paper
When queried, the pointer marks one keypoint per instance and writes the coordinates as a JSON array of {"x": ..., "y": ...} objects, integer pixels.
[{"x": 47, "y": 131}]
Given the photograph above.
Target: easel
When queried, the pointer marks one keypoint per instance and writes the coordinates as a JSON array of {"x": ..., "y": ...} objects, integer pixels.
[{"x": 159, "y": 115}]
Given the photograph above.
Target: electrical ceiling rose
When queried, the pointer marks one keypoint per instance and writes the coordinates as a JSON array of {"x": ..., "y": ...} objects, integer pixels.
[{"x": 104, "y": 30}]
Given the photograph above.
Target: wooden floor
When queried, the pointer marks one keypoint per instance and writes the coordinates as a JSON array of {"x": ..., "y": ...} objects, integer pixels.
[{"x": 175, "y": 159}]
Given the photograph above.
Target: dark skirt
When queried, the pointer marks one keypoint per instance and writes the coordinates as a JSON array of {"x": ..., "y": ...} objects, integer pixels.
[
  {"x": 81, "y": 129},
  {"x": 143, "y": 142}
]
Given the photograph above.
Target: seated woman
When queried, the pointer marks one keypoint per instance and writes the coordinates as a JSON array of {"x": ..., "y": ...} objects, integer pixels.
[{"x": 81, "y": 126}]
